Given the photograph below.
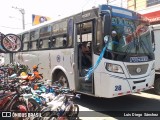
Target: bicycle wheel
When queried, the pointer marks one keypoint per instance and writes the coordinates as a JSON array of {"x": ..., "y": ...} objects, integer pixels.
[
  {"x": 71, "y": 112},
  {"x": 16, "y": 107},
  {"x": 11, "y": 43},
  {"x": 45, "y": 113},
  {"x": 33, "y": 105},
  {"x": 75, "y": 112}
]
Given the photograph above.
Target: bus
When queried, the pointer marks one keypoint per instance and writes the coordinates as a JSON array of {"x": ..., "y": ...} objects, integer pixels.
[{"x": 126, "y": 67}]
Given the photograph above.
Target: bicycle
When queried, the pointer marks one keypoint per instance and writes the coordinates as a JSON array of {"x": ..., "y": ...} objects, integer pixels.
[
  {"x": 10, "y": 43},
  {"x": 62, "y": 106},
  {"x": 15, "y": 100}
]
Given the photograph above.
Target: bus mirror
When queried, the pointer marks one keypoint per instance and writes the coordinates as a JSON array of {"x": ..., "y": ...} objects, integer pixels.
[
  {"x": 153, "y": 40},
  {"x": 152, "y": 34},
  {"x": 107, "y": 24}
]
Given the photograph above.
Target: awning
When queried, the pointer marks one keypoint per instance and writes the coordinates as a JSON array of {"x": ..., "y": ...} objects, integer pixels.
[{"x": 153, "y": 16}]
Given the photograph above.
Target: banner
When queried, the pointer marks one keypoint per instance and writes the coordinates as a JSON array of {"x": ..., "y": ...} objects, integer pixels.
[
  {"x": 37, "y": 19},
  {"x": 153, "y": 16}
]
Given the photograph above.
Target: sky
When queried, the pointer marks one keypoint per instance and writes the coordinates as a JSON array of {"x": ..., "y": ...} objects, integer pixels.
[{"x": 11, "y": 18}]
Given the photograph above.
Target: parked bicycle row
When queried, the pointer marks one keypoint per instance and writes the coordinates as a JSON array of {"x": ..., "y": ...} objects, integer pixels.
[{"x": 25, "y": 92}]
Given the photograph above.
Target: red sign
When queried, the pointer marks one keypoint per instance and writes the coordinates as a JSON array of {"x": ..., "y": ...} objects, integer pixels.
[{"x": 153, "y": 16}]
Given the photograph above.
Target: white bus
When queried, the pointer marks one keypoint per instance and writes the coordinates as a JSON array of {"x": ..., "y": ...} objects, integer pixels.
[{"x": 127, "y": 65}]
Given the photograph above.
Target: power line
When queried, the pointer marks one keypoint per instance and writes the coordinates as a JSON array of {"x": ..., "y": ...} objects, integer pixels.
[
  {"x": 22, "y": 12},
  {"x": 111, "y": 1},
  {"x": 10, "y": 27},
  {"x": 85, "y": 4}
]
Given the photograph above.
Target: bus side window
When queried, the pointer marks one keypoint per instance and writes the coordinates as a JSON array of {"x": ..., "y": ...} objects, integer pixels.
[
  {"x": 40, "y": 43},
  {"x": 51, "y": 42},
  {"x": 44, "y": 43},
  {"x": 25, "y": 45},
  {"x": 33, "y": 45},
  {"x": 25, "y": 39},
  {"x": 37, "y": 44},
  {"x": 30, "y": 45},
  {"x": 64, "y": 42},
  {"x": 60, "y": 42}
]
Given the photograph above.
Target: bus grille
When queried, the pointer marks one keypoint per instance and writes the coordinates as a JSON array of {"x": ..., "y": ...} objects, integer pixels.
[{"x": 137, "y": 69}]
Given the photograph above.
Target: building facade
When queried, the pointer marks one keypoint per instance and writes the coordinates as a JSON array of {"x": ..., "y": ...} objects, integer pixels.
[{"x": 149, "y": 8}]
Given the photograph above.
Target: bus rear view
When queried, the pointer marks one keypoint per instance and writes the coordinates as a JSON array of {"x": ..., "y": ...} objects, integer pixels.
[{"x": 128, "y": 62}]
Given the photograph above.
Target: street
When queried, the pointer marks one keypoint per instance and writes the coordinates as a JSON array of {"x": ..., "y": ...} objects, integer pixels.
[{"x": 92, "y": 108}]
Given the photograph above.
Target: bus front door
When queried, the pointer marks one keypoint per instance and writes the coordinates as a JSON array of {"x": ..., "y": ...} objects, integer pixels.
[{"x": 85, "y": 36}]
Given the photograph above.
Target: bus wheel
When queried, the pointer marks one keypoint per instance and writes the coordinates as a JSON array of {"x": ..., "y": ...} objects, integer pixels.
[
  {"x": 61, "y": 77},
  {"x": 157, "y": 86}
]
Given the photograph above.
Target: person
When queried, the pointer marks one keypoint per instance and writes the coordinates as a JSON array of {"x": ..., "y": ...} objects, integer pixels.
[
  {"x": 115, "y": 40},
  {"x": 114, "y": 36},
  {"x": 86, "y": 58}
]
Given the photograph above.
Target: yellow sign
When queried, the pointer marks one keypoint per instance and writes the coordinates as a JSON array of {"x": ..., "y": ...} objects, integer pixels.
[{"x": 37, "y": 19}]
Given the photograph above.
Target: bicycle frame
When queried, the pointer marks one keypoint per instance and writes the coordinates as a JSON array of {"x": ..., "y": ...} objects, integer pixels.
[
  {"x": 15, "y": 98},
  {"x": 5, "y": 99}
]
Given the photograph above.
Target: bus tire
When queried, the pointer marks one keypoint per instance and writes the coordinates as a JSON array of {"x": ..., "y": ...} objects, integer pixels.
[
  {"x": 157, "y": 86},
  {"x": 62, "y": 79}
]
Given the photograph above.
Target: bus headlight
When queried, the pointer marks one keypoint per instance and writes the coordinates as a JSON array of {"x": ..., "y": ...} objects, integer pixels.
[{"x": 114, "y": 68}]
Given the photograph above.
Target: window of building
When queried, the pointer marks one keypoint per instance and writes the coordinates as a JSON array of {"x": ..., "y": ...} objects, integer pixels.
[{"x": 152, "y": 2}]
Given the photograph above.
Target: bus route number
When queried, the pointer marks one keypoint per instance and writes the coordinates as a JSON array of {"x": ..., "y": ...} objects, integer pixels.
[{"x": 118, "y": 88}]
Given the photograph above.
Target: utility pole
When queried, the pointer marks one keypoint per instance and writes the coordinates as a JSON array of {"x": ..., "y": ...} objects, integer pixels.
[
  {"x": 107, "y": 2},
  {"x": 121, "y": 3},
  {"x": 135, "y": 5},
  {"x": 22, "y": 12}
]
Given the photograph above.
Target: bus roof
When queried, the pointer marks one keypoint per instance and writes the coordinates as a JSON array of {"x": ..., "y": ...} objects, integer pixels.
[{"x": 93, "y": 10}]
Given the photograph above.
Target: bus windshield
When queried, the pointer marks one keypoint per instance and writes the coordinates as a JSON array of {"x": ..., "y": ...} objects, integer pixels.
[{"x": 130, "y": 36}]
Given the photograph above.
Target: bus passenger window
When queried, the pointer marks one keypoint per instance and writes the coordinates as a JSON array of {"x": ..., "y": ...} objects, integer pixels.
[
  {"x": 59, "y": 42},
  {"x": 25, "y": 39},
  {"x": 40, "y": 43},
  {"x": 25, "y": 46},
  {"x": 44, "y": 43},
  {"x": 51, "y": 42},
  {"x": 30, "y": 45},
  {"x": 33, "y": 45},
  {"x": 64, "y": 42}
]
